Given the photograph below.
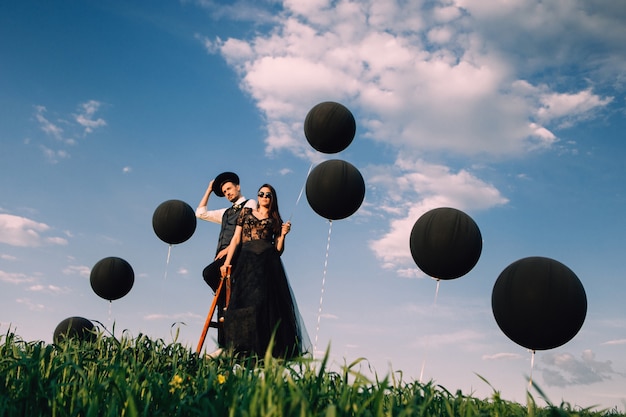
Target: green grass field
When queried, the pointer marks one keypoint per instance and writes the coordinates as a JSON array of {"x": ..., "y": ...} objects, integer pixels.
[{"x": 142, "y": 377}]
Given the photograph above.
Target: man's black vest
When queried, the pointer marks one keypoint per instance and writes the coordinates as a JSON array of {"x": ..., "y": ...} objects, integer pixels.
[{"x": 229, "y": 222}]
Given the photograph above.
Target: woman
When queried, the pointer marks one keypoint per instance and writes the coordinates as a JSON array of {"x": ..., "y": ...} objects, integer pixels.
[{"x": 262, "y": 304}]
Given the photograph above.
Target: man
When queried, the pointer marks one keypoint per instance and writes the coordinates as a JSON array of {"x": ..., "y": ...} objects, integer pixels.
[{"x": 226, "y": 185}]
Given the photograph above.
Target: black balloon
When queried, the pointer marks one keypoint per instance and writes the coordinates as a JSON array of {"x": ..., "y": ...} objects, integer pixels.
[
  {"x": 174, "y": 221},
  {"x": 539, "y": 303},
  {"x": 335, "y": 189},
  {"x": 112, "y": 278},
  {"x": 329, "y": 127},
  {"x": 78, "y": 328},
  {"x": 445, "y": 243}
]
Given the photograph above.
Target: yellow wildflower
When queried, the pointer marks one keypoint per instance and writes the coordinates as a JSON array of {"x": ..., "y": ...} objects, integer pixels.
[
  {"x": 221, "y": 379},
  {"x": 175, "y": 383}
]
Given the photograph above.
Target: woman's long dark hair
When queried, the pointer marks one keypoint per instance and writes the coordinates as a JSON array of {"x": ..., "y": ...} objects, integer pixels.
[{"x": 273, "y": 210}]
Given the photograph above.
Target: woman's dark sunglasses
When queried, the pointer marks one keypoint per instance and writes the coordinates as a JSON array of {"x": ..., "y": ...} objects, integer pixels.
[{"x": 267, "y": 194}]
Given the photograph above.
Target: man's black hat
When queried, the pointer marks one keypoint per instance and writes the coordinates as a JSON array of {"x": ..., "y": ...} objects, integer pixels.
[{"x": 221, "y": 179}]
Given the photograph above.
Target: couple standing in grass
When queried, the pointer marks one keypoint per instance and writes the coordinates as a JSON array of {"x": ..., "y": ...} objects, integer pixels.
[{"x": 251, "y": 241}]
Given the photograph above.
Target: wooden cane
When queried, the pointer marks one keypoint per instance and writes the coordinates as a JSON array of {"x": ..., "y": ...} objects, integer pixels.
[
  {"x": 227, "y": 287},
  {"x": 227, "y": 301},
  {"x": 207, "y": 323}
]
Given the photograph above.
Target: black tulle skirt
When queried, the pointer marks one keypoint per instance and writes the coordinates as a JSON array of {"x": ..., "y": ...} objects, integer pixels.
[{"x": 262, "y": 305}]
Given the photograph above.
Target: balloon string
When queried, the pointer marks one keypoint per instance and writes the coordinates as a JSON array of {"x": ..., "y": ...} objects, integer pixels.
[
  {"x": 110, "y": 314},
  {"x": 428, "y": 337},
  {"x": 319, "y": 311},
  {"x": 167, "y": 263},
  {"x": 301, "y": 191},
  {"x": 532, "y": 365}
]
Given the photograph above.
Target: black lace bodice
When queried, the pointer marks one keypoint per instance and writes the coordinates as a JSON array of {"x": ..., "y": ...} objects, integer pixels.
[{"x": 253, "y": 228}]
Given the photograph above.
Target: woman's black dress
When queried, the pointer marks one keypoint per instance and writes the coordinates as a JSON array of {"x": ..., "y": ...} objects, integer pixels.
[{"x": 262, "y": 303}]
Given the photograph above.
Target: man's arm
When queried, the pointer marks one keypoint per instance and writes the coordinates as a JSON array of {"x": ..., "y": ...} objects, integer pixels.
[
  {"x": 234, "y": 242},
  {"x": 202, "y": 213}
]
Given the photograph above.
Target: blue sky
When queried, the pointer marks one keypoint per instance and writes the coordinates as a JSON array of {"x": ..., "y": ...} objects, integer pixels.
[{"x": 512, "y": 111}]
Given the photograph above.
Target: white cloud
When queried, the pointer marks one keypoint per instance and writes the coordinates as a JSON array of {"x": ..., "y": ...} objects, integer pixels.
[
  {"x": 20, "y": 231},
  {"x": 85, "y": 117},
  {"x": 563, "y": 369},
  {"x": 306, "y": 7},
  {"x": 30, "y": 304},
  {"x": 52, "y": 155},
  {"x": 240, "y": 10},
  {"x": 446, "y": 78},
  {"x": 82, "y": 270},
  {"x": 577, "y": 34},
  {"x": 15, "y": 277},
  {"x": 418, "y": 187},
  {"x": 459, "y": 97},
  {"x": 467, "y": 338},
  {"x": 406, "y": 272},
  {"x": 544, "y": 135},
  {"x": 615, "y": 342},
  {"x": 175, "y": 316},
  {"x": 502, "y": 356},
  {"x": 56, "y": 240},
  {"x": 52, "y": 289},
  {"x": 47, "y": 126},
  {"x": 568, "y": 108},
  {"x": 440, "y": 35},
  {"x": 446, "y": 13}
]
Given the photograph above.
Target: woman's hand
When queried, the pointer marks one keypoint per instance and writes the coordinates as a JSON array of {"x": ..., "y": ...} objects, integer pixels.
[
  {"x": 286, "y": 228},
  {"x": 221, "y": 253}
]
